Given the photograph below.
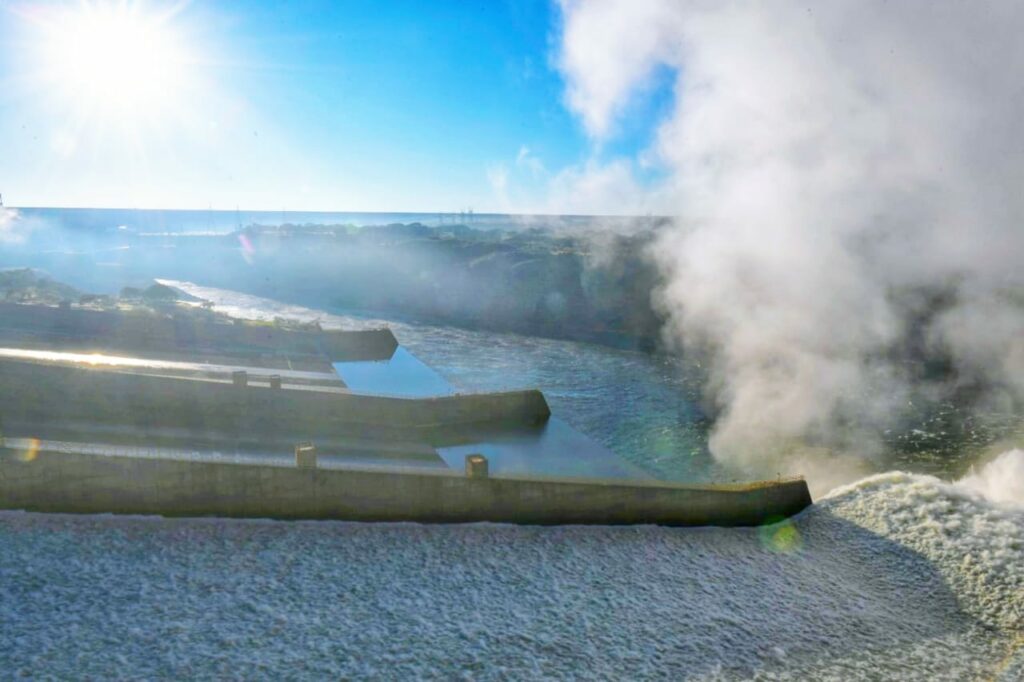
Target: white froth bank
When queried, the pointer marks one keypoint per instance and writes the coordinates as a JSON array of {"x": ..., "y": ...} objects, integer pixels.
[
  {"x": 1001, "y": 480},
  {"x": 896, "y": 576},
  {"x": 972, "y": 530}
]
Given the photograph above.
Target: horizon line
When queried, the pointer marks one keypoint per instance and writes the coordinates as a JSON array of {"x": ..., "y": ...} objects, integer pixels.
[{"x": 292, "y": 210}]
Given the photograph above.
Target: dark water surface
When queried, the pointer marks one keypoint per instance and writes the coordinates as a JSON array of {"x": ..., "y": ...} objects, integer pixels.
[
  {"x": 403, "y": 374},
  {"x": 646, "y": 408}
]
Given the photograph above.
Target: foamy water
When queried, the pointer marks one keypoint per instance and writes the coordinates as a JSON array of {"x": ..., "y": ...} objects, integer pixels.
[
  {"x": 1001, "y": 481},
  {"x": 899, "y": 575},
  {"x": 646, "y": 408},
  {"x": 641, "y": 407}
]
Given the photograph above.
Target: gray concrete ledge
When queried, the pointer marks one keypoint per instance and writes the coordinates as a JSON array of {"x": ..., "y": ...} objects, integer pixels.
[
  {"x": 40, "y": 393},
  {"x": 77, "y": 329},
  {"x": 80, "y": 483}
]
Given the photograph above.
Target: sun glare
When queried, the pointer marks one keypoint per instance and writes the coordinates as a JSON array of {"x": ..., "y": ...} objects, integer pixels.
[{"x": 114, "y": 58}]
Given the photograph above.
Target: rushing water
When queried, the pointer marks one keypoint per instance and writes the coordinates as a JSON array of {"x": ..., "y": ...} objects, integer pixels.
[
  {"x": 553, "y": 449},
  {"x": 897, "y": 576},
  {"x": 644, "y": 408}
]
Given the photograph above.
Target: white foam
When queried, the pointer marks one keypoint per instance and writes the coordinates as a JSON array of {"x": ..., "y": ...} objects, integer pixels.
[
  {"x": 249, "y": 307},
  {"x": 897, "y": 576},
  {"x": 975, "y": 543},
  {"x": 1000, "y": 481}
]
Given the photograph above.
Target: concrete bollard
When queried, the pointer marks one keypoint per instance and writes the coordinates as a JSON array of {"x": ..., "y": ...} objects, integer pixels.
[
  {"x": 240, "y": 378},
  {"x": 476, "y": 466},
  {"x": 275, "y": 381},
  {"x": 305, "y": 455}
]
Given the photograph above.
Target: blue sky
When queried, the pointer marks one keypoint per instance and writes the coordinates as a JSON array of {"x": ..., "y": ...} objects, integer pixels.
[{"x": 432, "y": 106}]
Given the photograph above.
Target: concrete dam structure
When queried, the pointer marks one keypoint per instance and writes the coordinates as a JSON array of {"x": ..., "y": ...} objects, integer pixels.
[
  {"x": 208, "y": 424},
  {"x": 87, "y": 395},
  {"x": 183, "y": 332},
  {"x": 76, "y": 483}
]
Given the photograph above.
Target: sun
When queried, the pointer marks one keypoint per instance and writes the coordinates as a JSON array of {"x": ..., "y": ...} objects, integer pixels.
[{"x": 114, "y": 58}]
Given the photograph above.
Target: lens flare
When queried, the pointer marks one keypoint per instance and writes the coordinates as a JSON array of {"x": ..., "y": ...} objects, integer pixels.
[
  {"x": 248, "y": 250},
  {"x": 30, "y": 452},
  {"x": 780, "y": 535}
]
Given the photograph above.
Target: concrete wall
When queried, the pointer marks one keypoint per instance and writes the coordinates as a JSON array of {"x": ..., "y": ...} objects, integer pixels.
[
  {"x": 40, "y": 393},
  {"x": 82, "y": 329},
  {"x": 74, "y": 483}
]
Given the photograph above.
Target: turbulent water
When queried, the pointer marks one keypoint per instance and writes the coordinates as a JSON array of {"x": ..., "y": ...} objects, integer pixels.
[
  {"x": 898, "y": 575},
  {"x": 646, "y": 408}
]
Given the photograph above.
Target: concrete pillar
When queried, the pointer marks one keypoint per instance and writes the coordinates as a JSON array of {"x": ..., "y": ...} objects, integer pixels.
[
  {"x": 240, "y": 378},
  {"x": 275, "y": 381},
  {"x": 476, "y": 466},
  {"x": 305, "y": 455}
]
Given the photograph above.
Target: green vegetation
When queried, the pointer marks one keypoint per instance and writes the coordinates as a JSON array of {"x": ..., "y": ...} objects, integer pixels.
[{"x": 26, "y": 285}]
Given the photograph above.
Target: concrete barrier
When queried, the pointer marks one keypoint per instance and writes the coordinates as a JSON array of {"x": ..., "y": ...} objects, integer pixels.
[
  {"x": 80, "y": 483},
  {"x": 36, "y": 392},
  {"x": 305, "y": 455},
  {"x": 76, "y": 329}
]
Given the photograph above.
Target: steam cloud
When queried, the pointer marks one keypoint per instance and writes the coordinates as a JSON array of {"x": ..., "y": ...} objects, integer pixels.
[
  {"x": 848, "y": 181},
  {"x": 1000, "y": 481}
]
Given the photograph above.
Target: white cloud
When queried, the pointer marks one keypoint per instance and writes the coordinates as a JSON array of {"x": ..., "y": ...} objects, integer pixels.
[
  {"x": 497, "y": 177},
  {"x": 602, "y": 70},
  {"x": 601, "y": 189},
  {"x": 525, "y": 159}
]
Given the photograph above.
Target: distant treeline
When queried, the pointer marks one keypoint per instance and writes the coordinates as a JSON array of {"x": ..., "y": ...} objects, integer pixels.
[
  {"x": 593, "y": 286},
  {"x": 557, "y": 279}
]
